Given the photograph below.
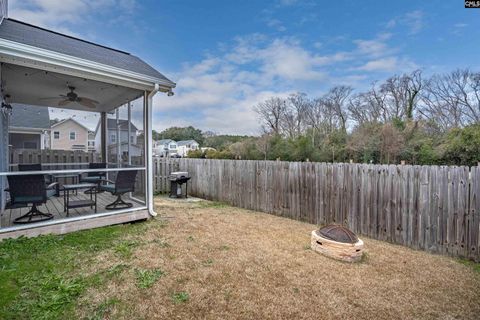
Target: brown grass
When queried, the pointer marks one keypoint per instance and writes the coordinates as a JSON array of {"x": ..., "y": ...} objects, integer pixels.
[{"x": 240, "y": 264}]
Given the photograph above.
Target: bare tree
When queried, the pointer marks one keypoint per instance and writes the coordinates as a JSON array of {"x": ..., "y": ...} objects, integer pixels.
[
  {"x": 294, "y": 120},
  {"x": 452, "y": 100},
  {"x": 402, "y": 94},
  {"x": 336, "y": 100},
  {"x": 271, "y": 113}
]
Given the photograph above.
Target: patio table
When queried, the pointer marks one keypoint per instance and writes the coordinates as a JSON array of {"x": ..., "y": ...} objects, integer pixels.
[
  {"x": 69, "y": 204},
  {"x": 56, "y": 177}
]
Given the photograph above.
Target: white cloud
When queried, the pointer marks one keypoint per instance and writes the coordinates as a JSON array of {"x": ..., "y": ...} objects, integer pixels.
[
  {"x": 389, "y": 64},
  {"x": 374, "y": 47},
  {"x": 60, "y": 14},
  {"x": 413, "y": 20},
  {"x": 384, "y": 64},
  {"x": 219, "y": 92}
]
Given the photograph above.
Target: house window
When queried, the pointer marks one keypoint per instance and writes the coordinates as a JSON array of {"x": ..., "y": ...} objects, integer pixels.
[
  {"x": 91, "y": 143},
  {"x": 113, "y": 138},
  {"x": 131, "y": 139},
  {"x": 56, "y": 135},
  {"x": 29, "y": 145},
  {"x": 173, "y": 146},
  {"x": 73, "y": 135}
]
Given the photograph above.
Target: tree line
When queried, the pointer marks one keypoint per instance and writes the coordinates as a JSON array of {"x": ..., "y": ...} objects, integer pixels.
[{"x": 408, "y": 117}]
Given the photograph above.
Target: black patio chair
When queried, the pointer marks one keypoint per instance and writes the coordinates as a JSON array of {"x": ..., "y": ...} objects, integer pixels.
[
  {"x": 125, "y": 182},
  {"x": 94, "y": 177},
  {"x": 30, "y": 189},
  {"x": 34, "y": 167}
]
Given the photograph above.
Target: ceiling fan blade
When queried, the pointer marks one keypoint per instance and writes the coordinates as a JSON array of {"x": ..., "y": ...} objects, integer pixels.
[
  {"x": 60, "y": 97},
  {"x": 86, "y": 103},
  {"x": 64, "y": 102},
  {"x": 87, "y": 99}
]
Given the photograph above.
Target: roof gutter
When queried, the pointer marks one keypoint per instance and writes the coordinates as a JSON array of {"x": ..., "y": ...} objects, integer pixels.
[{"x": 148, "y": 134}]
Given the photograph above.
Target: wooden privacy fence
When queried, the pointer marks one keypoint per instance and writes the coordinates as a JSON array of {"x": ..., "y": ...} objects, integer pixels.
[{"x": 433, "y": 208}]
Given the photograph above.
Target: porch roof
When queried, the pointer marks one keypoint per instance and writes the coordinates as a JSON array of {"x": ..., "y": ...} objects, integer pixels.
[{"x": 24, "y": 33}]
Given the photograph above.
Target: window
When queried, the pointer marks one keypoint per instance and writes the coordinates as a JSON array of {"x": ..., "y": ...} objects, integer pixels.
[
  {"x": 131, "y": 139},
  {"x": 73, "y": 135},
  {"x": 56, "y": 135},
  {"x": 113, "y": 138},
  {"x": 91, "y": 143},
  {"x": 173, "y": 146},
  {"x": 29, "y": 145}
]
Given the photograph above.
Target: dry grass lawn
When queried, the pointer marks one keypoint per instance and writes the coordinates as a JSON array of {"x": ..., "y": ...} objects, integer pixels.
[{"x": 219, "y": 262}]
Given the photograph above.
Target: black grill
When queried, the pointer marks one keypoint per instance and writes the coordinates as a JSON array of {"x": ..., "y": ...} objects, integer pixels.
[{"x": 177, "y": 179}]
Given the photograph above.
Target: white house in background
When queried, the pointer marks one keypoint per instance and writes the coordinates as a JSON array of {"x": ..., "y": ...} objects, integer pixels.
[
  {"x": 165, "y": 148},
  {"x": 135, "y": 149},
  {"x": 91, "y": 141},
  {"x": 69, "y": 134},
  {"x": 185, "y": 146}
]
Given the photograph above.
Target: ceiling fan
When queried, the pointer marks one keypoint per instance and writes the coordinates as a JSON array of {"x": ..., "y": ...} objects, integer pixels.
[{"x": 71, "y": 96}]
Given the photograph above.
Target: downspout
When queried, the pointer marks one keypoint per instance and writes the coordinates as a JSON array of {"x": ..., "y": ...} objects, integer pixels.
[{"x": 148, "y": 141}]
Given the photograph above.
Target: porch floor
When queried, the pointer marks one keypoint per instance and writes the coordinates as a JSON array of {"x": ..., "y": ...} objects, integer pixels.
[{"x": 55, "y": 206}]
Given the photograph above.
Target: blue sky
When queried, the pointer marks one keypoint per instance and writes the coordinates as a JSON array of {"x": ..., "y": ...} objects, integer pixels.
[{"x": 226, "y": 56}]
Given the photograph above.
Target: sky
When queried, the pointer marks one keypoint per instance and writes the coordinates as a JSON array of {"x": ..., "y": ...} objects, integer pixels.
[{"x": 226, "y": 56}]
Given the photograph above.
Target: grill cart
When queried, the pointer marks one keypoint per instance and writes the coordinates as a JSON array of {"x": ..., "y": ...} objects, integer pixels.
[{"x": 177, "y": 179}]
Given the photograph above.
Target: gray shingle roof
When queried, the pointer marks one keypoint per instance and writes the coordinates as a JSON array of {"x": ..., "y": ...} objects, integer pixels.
[
  {"x": 25, "y": 33},
  {"x": 185, "y": 142},
  {"x": 27, "y": 116}
]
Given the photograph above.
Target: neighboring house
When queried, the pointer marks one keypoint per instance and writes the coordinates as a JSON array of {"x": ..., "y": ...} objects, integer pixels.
[
  {"x": 69, "y": 134},
  {"x": 135, "y": 149},
  {"x": 185, "y": 146},
  {"x": 29, "y": 127},
  {"x": 91, "y": 141},
  {"x": 165, "y": 148}
]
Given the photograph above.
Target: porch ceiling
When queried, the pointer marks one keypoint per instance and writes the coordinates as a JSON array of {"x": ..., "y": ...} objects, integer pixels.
[{"x": 31, "y": 86}]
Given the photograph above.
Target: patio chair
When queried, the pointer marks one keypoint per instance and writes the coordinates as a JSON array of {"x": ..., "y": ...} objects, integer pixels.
[
  {"x": 34, "y": 167},
  {"x": 30, "y": 189},
  {"x": 94, "y": 177},
  {"x": 125, "y": 182}
]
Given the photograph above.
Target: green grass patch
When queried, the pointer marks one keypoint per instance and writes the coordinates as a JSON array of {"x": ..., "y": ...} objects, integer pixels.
[
  {"x": 146, "y": 278},
  {"x": 180, "y": 297},
  {"x": 471, "y": 264},
  {"x": 125, "y": 248},
  {"x": 42, "y": 277}
]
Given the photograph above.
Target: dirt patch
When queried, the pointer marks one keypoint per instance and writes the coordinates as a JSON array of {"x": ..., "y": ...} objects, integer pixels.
[{"x": 221, "y": 262}]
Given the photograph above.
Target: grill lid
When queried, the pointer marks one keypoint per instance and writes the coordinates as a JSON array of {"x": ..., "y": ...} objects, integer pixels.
[{"x": 338, "y": 233}]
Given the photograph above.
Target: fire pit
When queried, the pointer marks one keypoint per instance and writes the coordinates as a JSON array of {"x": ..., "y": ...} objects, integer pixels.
[{"x": 337, "y": 242}]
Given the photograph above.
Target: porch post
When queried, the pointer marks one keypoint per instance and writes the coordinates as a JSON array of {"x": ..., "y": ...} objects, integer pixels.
[
  {"x": 129, "y": 107},
  {"x": 103, "y": 136},
  {"x": 148, "y": 150},
  {"x": 117, "y": 116}
]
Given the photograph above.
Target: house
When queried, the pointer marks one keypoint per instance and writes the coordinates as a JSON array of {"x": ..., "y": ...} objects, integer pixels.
[
  {"x": 186, "y": 146},
  {"x": 123, "y": 136},
  {"x": 29, "y": 127},
  {"x": 69, "y": 134},
  {"x": 44, "y": 68},
  {"x": 112, "y": 132},
  {"x": 165, "y": 148},
  {"x": 91, "y": 141}
]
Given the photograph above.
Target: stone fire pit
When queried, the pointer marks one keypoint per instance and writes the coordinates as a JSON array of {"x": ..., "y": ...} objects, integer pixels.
[{"x": 337, "y": 242}]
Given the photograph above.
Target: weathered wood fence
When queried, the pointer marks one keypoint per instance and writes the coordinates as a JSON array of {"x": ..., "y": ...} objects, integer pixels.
[{"x": 433, "y": 208}]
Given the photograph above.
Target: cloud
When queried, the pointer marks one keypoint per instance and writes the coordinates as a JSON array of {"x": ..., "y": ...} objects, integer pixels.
[
  {"x": 276, "y": 24},
  {"x": 374, "y": 47},
  {"x": 61, "y": 15},
  {"x": 389, "y": 64},
  {"x": 413, "y": 20}
]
